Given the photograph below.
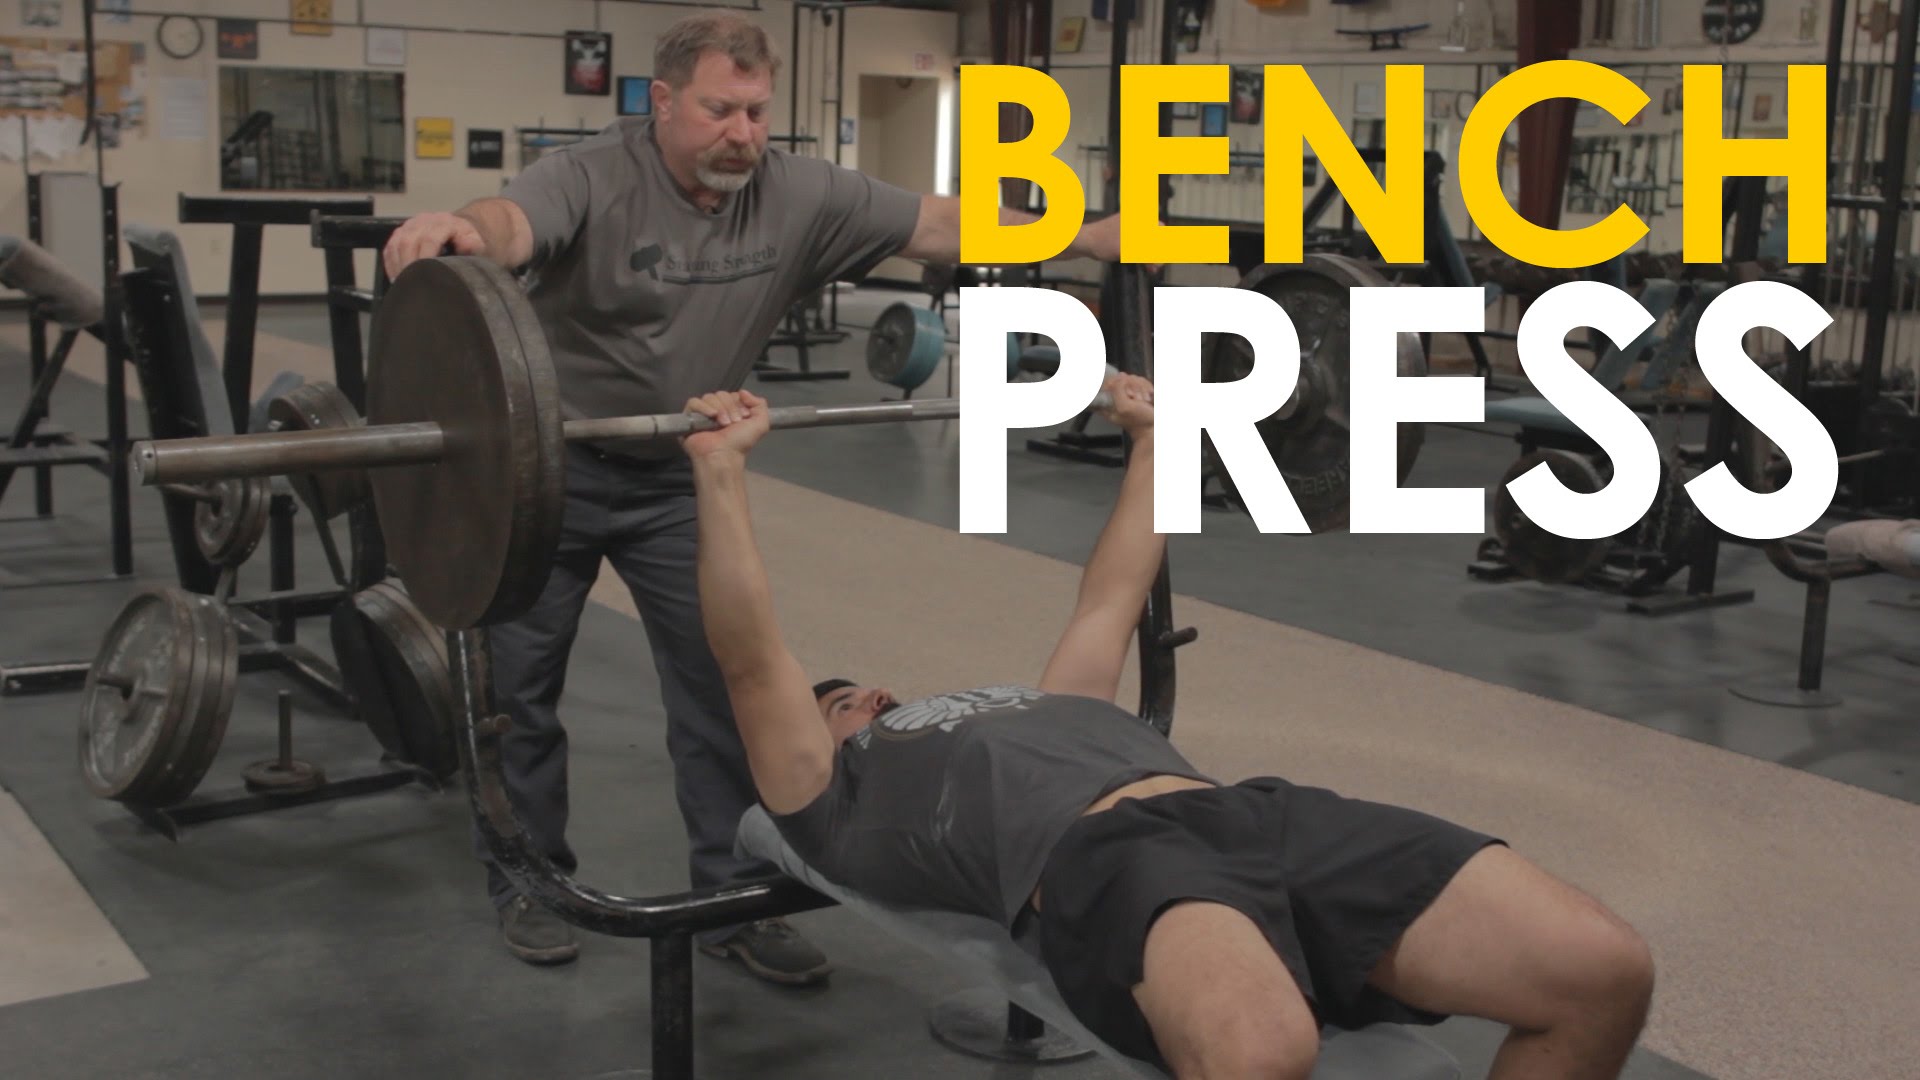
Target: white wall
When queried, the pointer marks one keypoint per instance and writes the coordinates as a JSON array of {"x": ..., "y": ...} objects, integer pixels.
[{"x": 478, "y": 80}]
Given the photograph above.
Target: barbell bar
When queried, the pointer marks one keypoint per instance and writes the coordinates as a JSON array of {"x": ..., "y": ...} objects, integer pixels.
[
  {"x": 178, "y": 461},
  {"x": 220, "y": 457},
  {"x": 464, "y": 443}
]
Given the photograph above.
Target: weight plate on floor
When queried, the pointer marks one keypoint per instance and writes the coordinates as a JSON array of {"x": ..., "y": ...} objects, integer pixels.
[
  {"x": 317, "y": 406},
  {"x": 157, "y": 697},
  {"x": 1309, "y": 436},
  {"x": 394, "y": 661},
  {"x": 228, "y": 529},
  {"x": 1672, "y": 523},
  {"x": 291, "y": 779},
  {"x": 906, "y": 344},
  {"x": 220, "y": 676},
  {"x": 1531, "y": 550}
]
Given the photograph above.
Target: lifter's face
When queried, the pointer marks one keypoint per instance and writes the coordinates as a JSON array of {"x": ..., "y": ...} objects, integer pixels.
[
  {"x": 850, "y": 708},
  {"x": 713, "y": 130}
]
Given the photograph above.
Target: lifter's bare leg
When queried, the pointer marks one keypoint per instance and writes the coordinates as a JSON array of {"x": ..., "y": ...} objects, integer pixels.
[{"x": 1509, "y": 942}]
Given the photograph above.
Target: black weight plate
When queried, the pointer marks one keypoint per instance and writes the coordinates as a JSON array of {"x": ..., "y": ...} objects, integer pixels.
[
  {"x": 364, "y": 679},
  {"x": 227, "y": 531},
  {"x": 317, "y": 406},
  {"x": 400, "y": 677},
  {"x": 1533, "y": 551},
  {"x": 216, "y": 679},
  {"x": 423, "y": 673},
  {"x": 137, "y": 694},
  {"x": 1314, "y": 454},
  {"x": 456, "y": 342}
]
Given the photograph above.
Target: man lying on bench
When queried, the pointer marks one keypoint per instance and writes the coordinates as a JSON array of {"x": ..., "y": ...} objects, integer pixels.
[{"x": 1205, "y": 928}]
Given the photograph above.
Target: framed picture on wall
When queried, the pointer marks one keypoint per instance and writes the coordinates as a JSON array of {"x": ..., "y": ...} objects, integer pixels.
[
  {"x": 433, "y": 137},
  {"x": 1247, "y": 94},
  {"x": 312, "y": 17},
  {"x": 636, "y": 95},
  {"x": 486, "y": 148},
  {"x": 1213, "y": 120},
  {"x": 237, "y": 39},
  {"x": 1073, "y": 34},
  {"x": 386, "y": 48},
  {"x": 589, "y": 59}
]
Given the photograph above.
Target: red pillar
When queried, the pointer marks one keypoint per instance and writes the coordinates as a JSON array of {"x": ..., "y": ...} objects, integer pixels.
[{"x": 1547, "y": 30}]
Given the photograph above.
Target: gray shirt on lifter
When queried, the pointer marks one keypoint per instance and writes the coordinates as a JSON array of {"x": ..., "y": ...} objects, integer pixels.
[
  {"x": 954, "y": 802},
  {"x": 648, "y": 300}
]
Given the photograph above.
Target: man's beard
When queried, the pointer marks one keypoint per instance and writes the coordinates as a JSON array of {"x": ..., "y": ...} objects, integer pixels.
[{"x": 726, "y": 180}]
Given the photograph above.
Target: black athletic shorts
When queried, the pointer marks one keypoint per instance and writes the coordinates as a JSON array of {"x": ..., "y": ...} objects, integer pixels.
[{"x": 1333, "y": 883}]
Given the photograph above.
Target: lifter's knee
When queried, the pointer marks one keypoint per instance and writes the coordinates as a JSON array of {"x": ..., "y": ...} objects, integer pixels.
[
  {"x": 1267, "y": 1057},
  {"x": 1607, "y": 972}
]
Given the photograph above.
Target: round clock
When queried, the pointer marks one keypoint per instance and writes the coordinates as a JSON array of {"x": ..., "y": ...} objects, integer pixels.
[
  {"x": 180, "y": 36},
  {"x": 1730, "y": 22}
]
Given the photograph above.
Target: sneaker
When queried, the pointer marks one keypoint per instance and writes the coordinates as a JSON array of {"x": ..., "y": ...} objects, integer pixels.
[
  {"x": 773, "y": 951},
  {"x": 535, "y": 934}
]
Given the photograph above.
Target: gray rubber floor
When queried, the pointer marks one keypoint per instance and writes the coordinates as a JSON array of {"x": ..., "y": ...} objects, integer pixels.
[{"x": 353, "y": 938}]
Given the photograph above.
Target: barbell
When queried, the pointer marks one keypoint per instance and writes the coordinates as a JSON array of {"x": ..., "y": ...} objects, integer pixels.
[{"x": 464, "y": 441}]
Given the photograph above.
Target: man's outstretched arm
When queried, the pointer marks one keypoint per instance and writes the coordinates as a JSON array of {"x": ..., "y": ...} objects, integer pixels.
[
  {"x": 1113, "y": 590},
  {"x": 788, "y": 748},
  {"x": 936, "y": 238}
]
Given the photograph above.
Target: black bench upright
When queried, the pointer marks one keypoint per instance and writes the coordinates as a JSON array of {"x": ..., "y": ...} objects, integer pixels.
[{"x": 250, "y": 218}]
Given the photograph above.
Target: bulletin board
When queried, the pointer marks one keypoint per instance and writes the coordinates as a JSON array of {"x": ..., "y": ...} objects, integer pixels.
[{"x": 44, "y": 79}]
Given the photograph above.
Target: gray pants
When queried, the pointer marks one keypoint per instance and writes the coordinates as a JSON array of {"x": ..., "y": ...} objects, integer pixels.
[{"x": 640, "y": 516}]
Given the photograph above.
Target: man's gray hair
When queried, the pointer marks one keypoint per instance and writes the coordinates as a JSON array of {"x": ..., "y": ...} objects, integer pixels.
[{"x": 726, "y": 32}]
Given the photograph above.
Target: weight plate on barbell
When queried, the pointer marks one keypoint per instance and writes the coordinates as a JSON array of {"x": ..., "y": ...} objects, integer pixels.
[
  {"x": 394, "y": 662},
  {"x": 905, "y": 345},
  {"x": 1534, "y": 552},
  {"x": 229, "y": 528},
  {"x": 1313, "y": 451},
  {"x": 456, "y": 342},
  {"x": 157, "y": 698},
  {"x": 321, "y": 406}
]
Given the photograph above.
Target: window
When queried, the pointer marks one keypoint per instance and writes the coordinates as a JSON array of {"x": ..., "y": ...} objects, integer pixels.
[{"x": 286, "y": 129}]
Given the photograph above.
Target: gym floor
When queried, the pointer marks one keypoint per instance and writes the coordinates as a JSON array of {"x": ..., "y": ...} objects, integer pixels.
[{"x": 353, "y": 937}]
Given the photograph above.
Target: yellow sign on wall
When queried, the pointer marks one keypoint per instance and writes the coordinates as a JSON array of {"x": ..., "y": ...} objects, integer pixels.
[
  {"x": 433, "y": 137},
  {"x": 312, "y": 17}
]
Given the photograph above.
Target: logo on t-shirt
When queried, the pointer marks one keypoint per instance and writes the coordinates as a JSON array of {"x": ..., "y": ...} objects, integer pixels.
[
  {"x": 676, "y": 268},
  {"x": 646, "y": 260},
  {"x": 945, "y": 712}
]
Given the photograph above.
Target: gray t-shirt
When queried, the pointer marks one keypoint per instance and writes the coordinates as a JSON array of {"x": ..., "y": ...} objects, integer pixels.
[
  {"x": 648, "y": 300},
  {"x": 954, "y": 802}
]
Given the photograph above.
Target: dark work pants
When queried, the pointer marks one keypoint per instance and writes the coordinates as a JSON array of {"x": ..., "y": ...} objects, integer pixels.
[{"x": 640, "y": 516}]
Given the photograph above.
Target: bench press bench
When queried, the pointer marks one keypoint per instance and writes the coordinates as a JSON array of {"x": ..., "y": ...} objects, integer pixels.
[{"x": 985, "y": 950}]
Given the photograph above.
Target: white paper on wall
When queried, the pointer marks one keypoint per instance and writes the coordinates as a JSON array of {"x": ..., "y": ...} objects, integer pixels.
[
  {"x": 54, "y": 136},
  {"x": 183, "y": 108}
]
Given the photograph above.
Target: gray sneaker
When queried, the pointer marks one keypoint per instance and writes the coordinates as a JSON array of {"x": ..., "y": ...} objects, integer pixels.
[
  {"x": 773, "y": 951},
  {"x": 535, "y": 934}
]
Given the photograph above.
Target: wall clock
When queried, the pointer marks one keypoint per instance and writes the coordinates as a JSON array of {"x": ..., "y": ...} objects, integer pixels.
[
  {"x": 180, "y": 36},
  {"x": 1730, "y": 22}
]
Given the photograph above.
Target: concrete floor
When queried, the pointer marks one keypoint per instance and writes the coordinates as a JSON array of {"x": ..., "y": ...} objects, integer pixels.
[{"x": 293, "y": 941}]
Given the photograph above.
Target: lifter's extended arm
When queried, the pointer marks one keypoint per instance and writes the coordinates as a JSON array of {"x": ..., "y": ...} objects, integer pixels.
[
  {"x": 788, "y": 748},
  {"x": 1113, "y": 590}
]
